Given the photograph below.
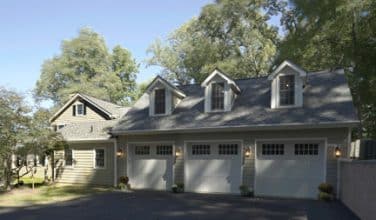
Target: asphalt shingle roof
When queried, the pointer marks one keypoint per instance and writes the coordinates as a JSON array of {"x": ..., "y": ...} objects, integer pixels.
[
  {"x": 87, "y": 130},
  {"x": 326, "y": 99}
]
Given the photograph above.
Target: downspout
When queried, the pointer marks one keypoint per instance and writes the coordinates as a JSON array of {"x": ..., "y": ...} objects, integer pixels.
[{"x": 115, "y": 162}]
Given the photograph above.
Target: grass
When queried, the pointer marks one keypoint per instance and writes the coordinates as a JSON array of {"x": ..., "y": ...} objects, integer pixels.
[{"x": 46, "y": 194}]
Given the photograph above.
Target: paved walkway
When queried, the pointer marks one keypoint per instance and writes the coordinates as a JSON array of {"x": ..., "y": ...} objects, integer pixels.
[{"x": 164, "y": 205}]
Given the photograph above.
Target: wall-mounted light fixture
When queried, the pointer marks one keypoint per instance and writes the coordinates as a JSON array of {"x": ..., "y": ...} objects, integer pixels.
[
  {"x": 120, "y": 153},
  {"x": 337, "y": 152},
  {"x": 177, "y": 152},
  {"x": 247, "y": 152}
]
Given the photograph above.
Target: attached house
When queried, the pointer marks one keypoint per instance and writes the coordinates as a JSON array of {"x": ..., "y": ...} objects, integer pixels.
[
  {"x": 280, "y": 135},
  {"x": 84, "y": 121}
]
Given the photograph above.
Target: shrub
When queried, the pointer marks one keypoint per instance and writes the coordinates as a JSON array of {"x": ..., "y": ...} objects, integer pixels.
[
  {"x": 177, "y": 188},
  {"x": 124, "y": 179},
  {"x": 326, "y": 187},
  {"x": 122, "y": 186},
  {"x": 325, "y": 196},
  {"x": 245, "y": 191}
]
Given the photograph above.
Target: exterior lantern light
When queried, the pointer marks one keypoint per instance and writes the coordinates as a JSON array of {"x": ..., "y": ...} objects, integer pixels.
[
  {"x": 177, "y": 152},
  {"x": 337, "y": 152},
  {"x": 120, "y": 153},
  {"x": 247, "y": 152}
]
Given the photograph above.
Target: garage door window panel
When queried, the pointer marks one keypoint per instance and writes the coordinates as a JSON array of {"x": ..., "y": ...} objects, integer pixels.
[
  {"x": 142, "y": 150},
  {"x": 228, "y": 149},
  {"x": 164, "y": 150},
  {"x": 306, "y": 149},
  {"x": 200, "y": 149},
  {"x": 273, "y": 149}
]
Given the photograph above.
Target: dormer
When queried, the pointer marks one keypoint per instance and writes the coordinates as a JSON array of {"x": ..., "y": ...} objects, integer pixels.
[
  {"x": 220, "y": 92},
  {"x": 163, "y": 97},
  {"x": 287, "y": 82}
]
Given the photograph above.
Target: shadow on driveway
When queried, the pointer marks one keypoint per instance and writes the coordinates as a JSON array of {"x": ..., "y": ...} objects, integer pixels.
[{"x": 164, "y": 205}]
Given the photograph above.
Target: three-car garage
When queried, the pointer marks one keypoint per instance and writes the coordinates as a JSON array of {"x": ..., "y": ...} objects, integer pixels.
[{"x": 282, "y": 168}]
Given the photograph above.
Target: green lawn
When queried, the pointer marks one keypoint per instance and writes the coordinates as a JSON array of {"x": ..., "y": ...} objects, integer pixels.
[{"x": 25, "y": 196}]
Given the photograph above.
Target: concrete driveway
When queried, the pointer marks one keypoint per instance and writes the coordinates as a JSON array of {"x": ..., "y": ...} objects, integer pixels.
[{"x": 164, "y": 205}]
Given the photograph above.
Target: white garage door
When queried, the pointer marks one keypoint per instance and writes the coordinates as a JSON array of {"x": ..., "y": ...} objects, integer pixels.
[
  {"x": 150, "y": 166},
  {"x": 290, "y": 168},
  {"x": 213, "y": 167}
]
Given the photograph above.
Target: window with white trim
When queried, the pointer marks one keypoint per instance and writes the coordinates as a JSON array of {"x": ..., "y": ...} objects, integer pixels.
[
  {"x": 306, "y": 149},
  {"x": 228, "y": 149},
  {"x": 273, "y": 149},
  {"x": 99, "y": 158},
  {"x": 142, "y": 150},
  {"x": 160, "y": 101},
  {"x": 80, "y": 109},
  {"x": 217, "y": 96},
  {"x": 200, "y": 149},
  {"x": 287, "y": 90},
  {"x": 68, "y": 157},
  {"x": 164, "y": 150}
]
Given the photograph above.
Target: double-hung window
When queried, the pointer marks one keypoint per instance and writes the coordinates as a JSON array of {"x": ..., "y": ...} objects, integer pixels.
[
  {"x": 160, "y": 101},
  {"x": 99, "y": 158},
  {"x": 68, "y": 156},
  {"x": 286, "y": 90},
  {"x": 217, "y": 96}
]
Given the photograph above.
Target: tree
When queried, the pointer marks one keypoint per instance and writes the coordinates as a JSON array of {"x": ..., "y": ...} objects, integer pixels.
[
  {"x": 330, "y": 34},
  {"x": 14, "y": 121},
  {"x": 85, "y": 65},
  {"x": 230, "y": 34},
  {"x": 23, "y": 133}
]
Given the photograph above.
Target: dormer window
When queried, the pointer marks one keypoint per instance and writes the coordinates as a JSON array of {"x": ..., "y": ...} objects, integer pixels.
[
  {"x": 217, "y": 96},
  {"x": 287, "y": 82},
  {"x": 160, "y": 101},
  {"x": 220, "y": 92},
  {"x": 286, "y": 90}
]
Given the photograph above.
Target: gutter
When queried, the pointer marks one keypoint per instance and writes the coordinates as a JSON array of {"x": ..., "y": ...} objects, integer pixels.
[{"x": 287, "y": 126}]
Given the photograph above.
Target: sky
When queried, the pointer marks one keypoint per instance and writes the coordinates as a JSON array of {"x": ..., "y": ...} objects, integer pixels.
[{"x": 32, "y": 31}]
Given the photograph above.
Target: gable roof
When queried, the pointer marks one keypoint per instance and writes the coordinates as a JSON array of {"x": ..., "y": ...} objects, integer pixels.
[
  {"x": 327, "y": 101},
  {"x": 224, "y": 76},
  {"x": 167, "y": 84},
  {"x": 108, "y": 109},
  {"x": 290, "y": 64}
]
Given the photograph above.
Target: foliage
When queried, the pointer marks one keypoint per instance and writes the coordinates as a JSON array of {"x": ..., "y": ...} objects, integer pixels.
[
  {"x": 14, "y": 121},
  {"x": 245, "y": 191},
  {"x": 325, "y": 196},
  {"x": 326, "y": 192},
  {"x": 22, "y": 133},
  {"x": 330, "y": 34},
  {"x": 178, "y": 188},
  {"x": 124, "y": 180},
  {"x": 232, "y": 35},
  {"x": 85, "y": 65},
  {"x": 326, "y": 187}
]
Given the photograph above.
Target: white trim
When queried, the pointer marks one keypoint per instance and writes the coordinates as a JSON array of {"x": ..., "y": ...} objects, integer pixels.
[
  {"x": 288, "y": 63},
  {"x": 185, "y": 151},
  {"x": 285, "y": 126},
  {"x": 94, "y": 158},
  {"x": 89, "y": 140},
  {"x": 150, "y": 87},
  {"x": 325, "y": 139},
  {"x": 115, "y": 162},
  {"x": 80, "y": 104},
  {"x": 217, "y": 72}
]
